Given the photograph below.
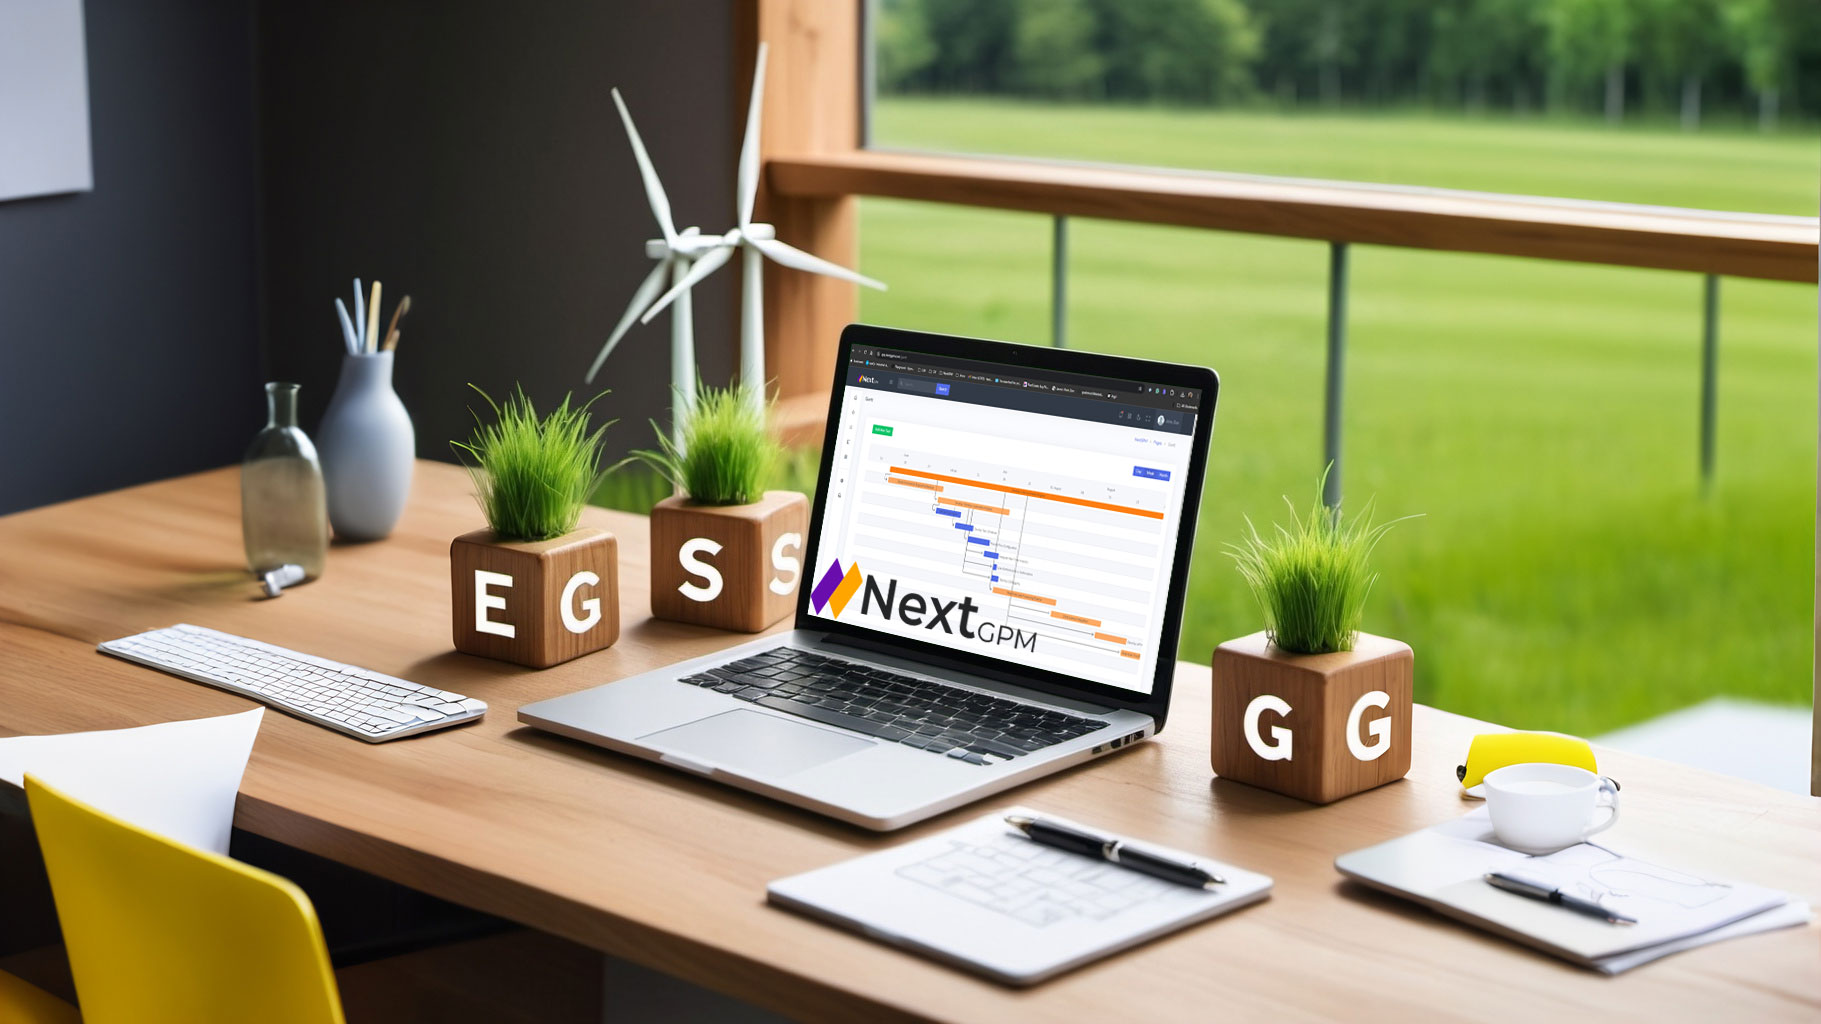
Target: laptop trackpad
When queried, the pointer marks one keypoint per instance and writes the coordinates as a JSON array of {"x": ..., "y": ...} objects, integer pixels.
[{"x": 752, "y": 743}]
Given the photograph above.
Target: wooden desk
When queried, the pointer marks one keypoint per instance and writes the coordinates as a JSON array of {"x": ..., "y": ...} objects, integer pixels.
[{"x": 669, "y": 871}]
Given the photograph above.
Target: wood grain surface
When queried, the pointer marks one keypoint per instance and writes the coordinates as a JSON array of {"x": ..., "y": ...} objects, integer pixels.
[
  {"x": 1320, "y": 691},
  {"x": 669, "y": 870},
  {"x": 533, "y": 605},
  {"x": 746, "y": 535}
]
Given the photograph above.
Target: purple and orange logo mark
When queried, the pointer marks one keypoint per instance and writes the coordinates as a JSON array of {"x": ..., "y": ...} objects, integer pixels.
[{"x": 836, "y": 588}]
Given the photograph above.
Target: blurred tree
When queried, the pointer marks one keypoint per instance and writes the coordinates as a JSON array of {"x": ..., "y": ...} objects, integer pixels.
[
  {"x": 902, "y": 47},
  {"x": 1055, "y": 49},
  {"x": 1197, "y": 51},
  {"x": 1694, "y": 53},
  {"x": 1680, "y": 41},
  {"x": 973, "y": 41},
  {"x": 1588, "y": 40},
  {"x": 1302, "y": 45},
  {"x": 1391, "y": 47},
  {"x": 1478, "y": 45},
  {"x": 1801, "y": 25},
  {"x": 1755, "y": 29}
]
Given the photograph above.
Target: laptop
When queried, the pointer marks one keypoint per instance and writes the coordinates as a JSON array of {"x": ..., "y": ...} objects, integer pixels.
[{"x": 993, "y": 585}]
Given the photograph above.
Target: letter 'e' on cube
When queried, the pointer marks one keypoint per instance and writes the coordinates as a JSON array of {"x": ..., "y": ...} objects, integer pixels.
[
  {"x": 728, "y": 566},
  {"x": 535, "y": 603},
  {"x": 1313, "y": 726}
]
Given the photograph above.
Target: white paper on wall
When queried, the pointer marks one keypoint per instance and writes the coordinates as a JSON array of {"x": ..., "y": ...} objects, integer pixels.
[{"x": 44, "y": 99}]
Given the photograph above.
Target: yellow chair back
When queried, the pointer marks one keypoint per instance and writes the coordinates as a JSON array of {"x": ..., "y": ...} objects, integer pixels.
[
  {"x": 160, "y": 932},
  {"x": 23, "y": 1003}
]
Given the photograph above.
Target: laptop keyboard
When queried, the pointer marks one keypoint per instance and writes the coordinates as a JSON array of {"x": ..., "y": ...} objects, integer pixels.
[{"x": 967, "y": 725}]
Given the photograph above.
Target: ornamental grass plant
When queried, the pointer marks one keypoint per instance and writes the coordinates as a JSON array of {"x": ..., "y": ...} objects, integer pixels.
[
  {"x": 726, "y": 451},
  {"x": 532, "y": 475},
  {"x": 1312, "y": 577}
]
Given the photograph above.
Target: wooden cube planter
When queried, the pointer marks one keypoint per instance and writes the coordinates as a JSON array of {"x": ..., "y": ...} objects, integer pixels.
[
  {"x": 535, "y": 603},
  {"x": 728, "y": 566},
  {"x": 1313, "y": 726}
]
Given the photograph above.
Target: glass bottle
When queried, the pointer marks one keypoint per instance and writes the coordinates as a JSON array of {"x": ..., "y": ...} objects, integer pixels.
[{"x": 284, "y": 517}]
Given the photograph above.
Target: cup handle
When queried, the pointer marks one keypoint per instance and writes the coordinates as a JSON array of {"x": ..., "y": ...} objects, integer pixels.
[{"x": 1611, "y": 790}]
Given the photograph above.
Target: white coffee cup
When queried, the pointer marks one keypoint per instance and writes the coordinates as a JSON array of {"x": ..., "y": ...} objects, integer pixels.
[{"x": 1541, "y": 808}]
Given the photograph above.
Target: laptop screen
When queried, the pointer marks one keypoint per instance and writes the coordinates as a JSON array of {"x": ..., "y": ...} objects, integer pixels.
[{"x": 1025, "y": 515}]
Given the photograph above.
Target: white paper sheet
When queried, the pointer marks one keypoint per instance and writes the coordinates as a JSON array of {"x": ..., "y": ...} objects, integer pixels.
[
  {"x": 1788, "y": 915},
  {"x": 1443, "y": 867},
  {"x": 178, "y": 779}
]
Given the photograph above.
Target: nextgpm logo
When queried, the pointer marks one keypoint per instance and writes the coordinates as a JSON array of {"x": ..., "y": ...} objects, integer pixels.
[{"x": 838, "y": 586}]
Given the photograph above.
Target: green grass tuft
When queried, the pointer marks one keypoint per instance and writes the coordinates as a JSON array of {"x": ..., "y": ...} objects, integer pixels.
[
  {"x": 637, "y": 487},
  {"x": 1312, "y": 577},
  {"x": 532, "y": 476},
  {"x": 727, "y": 450}
]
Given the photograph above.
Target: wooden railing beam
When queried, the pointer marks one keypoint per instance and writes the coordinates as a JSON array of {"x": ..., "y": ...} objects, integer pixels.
[{"x": 1734, "y": 245}]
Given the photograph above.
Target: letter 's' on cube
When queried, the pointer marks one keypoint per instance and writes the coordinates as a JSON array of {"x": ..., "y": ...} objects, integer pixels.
[
  {"x": 1313, "y": 726},
  {"x": 728, "y": 566},
  {"x": 535, "y": 603}
]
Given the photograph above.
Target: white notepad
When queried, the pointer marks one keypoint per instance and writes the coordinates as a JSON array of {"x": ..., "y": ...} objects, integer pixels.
[
  {"x": 985, "y": 898},
  {"x": 1444, "y": 868}
]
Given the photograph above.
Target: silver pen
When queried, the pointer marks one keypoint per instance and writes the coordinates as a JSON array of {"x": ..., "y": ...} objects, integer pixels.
[{"x": 1551, "y": 894}]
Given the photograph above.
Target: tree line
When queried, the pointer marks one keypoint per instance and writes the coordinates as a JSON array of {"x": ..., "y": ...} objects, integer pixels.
[{"x": 1761, "y": 58}]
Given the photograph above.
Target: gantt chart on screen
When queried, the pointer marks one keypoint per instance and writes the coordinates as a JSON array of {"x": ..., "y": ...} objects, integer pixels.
[{"x": 1040, "y": 539}]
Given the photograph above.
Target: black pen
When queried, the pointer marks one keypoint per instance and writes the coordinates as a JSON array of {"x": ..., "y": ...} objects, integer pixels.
[
  {"x": 1551, "y": 894},
  {"x": 1113, "y": 851}
]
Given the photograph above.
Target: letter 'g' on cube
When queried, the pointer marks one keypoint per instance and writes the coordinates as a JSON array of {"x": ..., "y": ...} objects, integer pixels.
[
  {"x": 535, "y": 603},
  {"x": 1313, "y": 726}
]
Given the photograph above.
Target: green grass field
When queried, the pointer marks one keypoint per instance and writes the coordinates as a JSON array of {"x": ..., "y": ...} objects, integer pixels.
[{"x": 1568, "y": 573}]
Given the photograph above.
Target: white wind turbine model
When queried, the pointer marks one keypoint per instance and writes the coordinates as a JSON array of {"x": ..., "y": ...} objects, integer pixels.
[
  {"x": 676, "y": 252},
  {"x": 760, "y": 242}
]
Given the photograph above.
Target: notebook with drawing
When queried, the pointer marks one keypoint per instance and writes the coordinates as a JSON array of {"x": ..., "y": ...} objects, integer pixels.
[
  {"x": 1444, "y": 868},
  {"x": 985, "y": 898}
]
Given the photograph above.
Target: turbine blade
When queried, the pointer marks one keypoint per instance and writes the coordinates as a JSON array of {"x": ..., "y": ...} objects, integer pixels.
[
  {"x": 703, "y": 267},
  {"x": 647, "y": 290},
  {"x": 749, "y": 148},
  {"x": 796, "y": 259},
  {"x": 654, "y": 189}
]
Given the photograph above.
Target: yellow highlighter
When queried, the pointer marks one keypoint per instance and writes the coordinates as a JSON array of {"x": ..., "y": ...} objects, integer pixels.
[{"x": 1494, "y": 750}]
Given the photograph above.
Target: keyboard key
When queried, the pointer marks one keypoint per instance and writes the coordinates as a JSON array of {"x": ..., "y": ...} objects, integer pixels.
[{"x": 980, "y": 746}]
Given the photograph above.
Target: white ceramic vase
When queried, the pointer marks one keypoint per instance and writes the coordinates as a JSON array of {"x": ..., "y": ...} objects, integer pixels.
[{"x": 368, "y": 449}]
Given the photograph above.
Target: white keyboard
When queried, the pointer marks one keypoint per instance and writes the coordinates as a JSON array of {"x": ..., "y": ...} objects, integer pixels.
[{"x": 345, "y": 698}]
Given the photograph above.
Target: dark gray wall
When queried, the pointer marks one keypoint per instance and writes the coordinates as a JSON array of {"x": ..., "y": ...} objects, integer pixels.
[
  {"x": 129, "y": 345},
  {"x": 468, "y": 153},
  {"x": 253, "y": 156}
]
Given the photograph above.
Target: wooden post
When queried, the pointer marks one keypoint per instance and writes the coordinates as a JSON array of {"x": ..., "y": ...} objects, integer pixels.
[{"x": 812, "y": 106}]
